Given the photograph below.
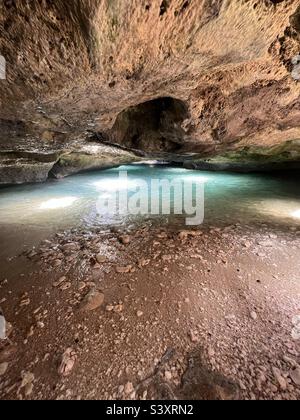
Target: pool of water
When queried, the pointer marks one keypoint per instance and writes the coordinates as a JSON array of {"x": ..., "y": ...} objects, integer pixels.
[{"x": 72, "y": 202}]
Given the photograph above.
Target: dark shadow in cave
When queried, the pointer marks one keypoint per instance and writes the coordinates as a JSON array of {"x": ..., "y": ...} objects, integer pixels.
[{"x": 153, "y": 126}]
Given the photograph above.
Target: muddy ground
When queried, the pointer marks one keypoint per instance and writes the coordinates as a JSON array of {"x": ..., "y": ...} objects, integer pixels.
[{"x": 154, "y": 314}]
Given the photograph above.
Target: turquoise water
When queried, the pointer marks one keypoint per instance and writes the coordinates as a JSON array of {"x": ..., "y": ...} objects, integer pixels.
[{"x": 229, "y": 198}]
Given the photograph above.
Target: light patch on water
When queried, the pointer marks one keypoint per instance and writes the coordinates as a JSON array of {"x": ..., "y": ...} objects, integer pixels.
[
  {"x": 296, "y": 214},
  {"x": 115, "y": 184},
  {"x": 200, "y": 179},
  {"x": 229, "y": 198},
  {"x": 281, "y": 208},
  {"x": 58, "y": 203}
]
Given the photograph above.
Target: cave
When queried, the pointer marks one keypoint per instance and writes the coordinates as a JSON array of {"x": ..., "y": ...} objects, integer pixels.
[
  {"x": 149, "y": 202},
  {"x": 153, "y": 126}
]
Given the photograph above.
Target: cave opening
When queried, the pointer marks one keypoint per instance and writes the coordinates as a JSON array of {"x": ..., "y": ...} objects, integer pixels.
[{"x": 152, "y": 126}]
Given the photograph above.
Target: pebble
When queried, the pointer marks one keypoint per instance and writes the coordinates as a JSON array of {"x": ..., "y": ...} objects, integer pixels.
[
  {"x": 125, "y": 240},
  {"x": 81, "y": 286},
  {"x": 27, "y": 378},
  {"x": 124, "y": 270},
  {"x": 168, "y": 375},
  {"x": 101, "y": 259},
  {"x": 267, "y": 244},
  {"x": 254, "y": 316},
  {"x": 211, "y": 352},
  {"x": 65, "y": 286},
  {"x": 242, "y": 386},
  {"x": 128, "y": 389},
  {"x": 25, "y": 302},
  {"x": 246, "y": 244},
  {"x": 143, "y": 263},
  {"x": 28, "y": 390},
  {"x": 273, "y": 236},
  {"x": 3, "y": 368},
  {"x": 92, "y": 301},
  {"x": 68, "y": 362},
  {"x": 2, "y": 328},
  {"x": 7, "y": 353},
  {"x": 279, "y": 378},
  {"x": 194, "y": 337},
  {"x": 290, "y": 361},
  {"x": 70, "y": 247},
  {"x": 185, "y": 234},
  {"x": 295, "y": 376},
  {"x": 60, "y": 281}
]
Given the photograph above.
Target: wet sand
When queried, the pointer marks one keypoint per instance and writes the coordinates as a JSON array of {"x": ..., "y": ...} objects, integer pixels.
[{"x": 208, "y": 315}]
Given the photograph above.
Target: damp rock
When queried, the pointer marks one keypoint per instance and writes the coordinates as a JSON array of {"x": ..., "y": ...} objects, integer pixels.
[
  {"x": 27, "y": 383},
  {"x": 3, "y": 368},
  {"x": 124, "y": 270},
  {"x": 125, "y": 239},
  {"x": 2, "y": 328},
  {"x": 185, "y": 234},
  {"x": 296, "y": 68},
  {"x": 101, "y": 259},
  {"x": 253, "y": 315},
  {"x": 295, "y": 376},
  {"x": 60, "y": 281},
  {"x": 279, "y": 378},
  {"x": 128, "y": 389},
  {"x": 92, "y": 301},
  {"x": 68, "y": 362}
]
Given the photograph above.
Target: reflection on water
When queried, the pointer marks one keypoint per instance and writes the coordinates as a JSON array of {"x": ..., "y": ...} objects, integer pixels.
[{"x": 229, "y": 198}]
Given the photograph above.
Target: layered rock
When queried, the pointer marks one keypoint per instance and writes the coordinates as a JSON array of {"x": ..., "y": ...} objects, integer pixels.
[
  {"x": 92, "y": 157},
  {"x": 224, "y": 74},
  {"x": 19, "y": 168},
  {"x": 26, "y": 167},
  {"x": 251, "y": 159}
]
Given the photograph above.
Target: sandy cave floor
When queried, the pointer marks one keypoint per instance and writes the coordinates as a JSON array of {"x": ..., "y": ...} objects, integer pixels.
[{"x": 154, "y": 314}]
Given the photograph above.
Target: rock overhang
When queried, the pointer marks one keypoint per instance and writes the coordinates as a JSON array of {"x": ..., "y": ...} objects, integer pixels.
[{"x": 80, "y": 68}]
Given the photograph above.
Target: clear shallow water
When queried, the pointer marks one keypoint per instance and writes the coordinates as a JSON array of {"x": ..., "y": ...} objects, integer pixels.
[{"x": 229, "y": 198}]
